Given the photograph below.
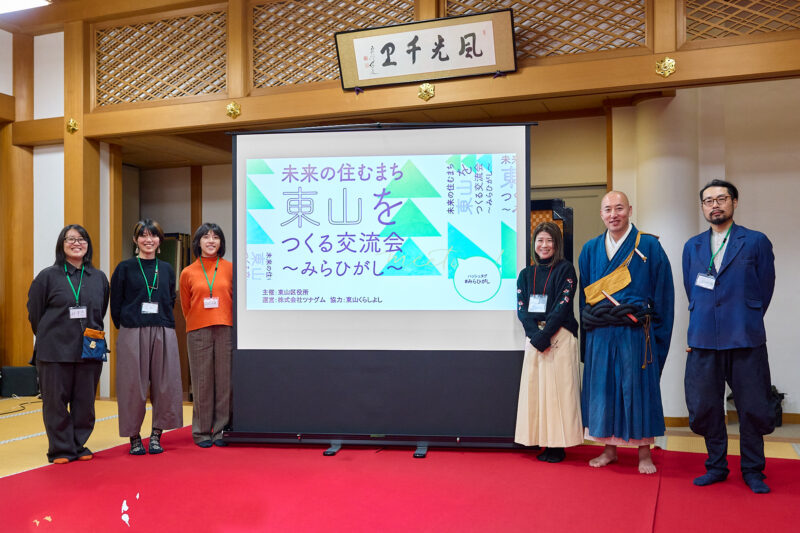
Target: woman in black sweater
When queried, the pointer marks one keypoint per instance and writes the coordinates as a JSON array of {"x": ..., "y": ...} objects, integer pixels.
[
  {"x": 548, "y": 411},
  {"x": 142, "y": 297}
]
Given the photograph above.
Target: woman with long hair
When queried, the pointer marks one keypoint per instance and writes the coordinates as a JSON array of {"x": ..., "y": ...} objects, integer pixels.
[{"x": 548, "y": 411}]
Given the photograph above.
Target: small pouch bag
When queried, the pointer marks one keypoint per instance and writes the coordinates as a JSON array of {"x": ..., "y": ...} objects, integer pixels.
[{"x": 94, "y": 345}]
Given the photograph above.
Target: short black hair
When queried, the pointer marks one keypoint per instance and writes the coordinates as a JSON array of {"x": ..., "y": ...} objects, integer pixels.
[
  {"x": 732, "y": 190},
  {"x": 150, "y": 226},
  {"x": 61, "y": 257},
  {"x": 552, "y": 229},
  {"x": 202, "y": 230}
]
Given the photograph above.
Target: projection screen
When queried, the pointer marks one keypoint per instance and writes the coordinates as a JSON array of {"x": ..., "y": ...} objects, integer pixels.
[
  {"x": 381, "y": 239},
  {"x": 375, "y": 283}
]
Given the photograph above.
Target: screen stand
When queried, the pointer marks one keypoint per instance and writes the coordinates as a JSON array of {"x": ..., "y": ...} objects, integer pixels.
[
  {"x": 421, "y": 451},
  {"x": 336, "y": 445}
]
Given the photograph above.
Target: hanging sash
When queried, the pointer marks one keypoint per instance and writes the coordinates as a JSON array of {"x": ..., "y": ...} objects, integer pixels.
[{"x": 615, "y": 281}]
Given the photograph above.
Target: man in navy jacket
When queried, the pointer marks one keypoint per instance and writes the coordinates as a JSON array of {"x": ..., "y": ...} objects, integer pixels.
[{"x": 729, "y": 276}]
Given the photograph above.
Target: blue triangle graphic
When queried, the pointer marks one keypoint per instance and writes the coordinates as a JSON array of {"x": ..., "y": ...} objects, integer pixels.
[
  {"x": 486, "y": 162},
  {"x": 460, "y": 247},
  {"x": 255, "y": 233}
]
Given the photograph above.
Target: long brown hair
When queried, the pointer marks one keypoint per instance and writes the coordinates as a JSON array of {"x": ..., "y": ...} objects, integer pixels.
[{"x": 552, "y": 229}]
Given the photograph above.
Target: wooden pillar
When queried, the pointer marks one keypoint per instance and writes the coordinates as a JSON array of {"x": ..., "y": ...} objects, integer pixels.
[
  {"x": 16, "y": 199},
  {"x": 428, "y": 9},
  {"x": 115, "y": 241},
  {"x": 664, "y": 21},
  {"x": 81, "y": 155},
  {"x": 609, "y": 113},
  {"x": 239, "y": 68},
  {"x": 196, "y": 200}
]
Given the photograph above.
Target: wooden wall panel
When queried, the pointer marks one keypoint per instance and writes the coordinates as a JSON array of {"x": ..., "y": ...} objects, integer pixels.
[
  {"x": 81, "y": 155},
  {"x": 116, "y": 238},
  {"x": 327, "y": 102},
  {"x": 16, "y": 199}
]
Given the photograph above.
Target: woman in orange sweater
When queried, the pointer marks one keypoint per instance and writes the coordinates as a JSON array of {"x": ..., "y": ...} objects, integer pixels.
[{"x": 206, "y": 288}]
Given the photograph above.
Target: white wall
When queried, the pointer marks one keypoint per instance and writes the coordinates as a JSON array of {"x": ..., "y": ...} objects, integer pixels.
[
  {"x": 48, "y": 75},
  {"x": 749, "y": 135},
  {"x": 164, "y": 196},
  {"x": 218, "y": 199},
  {"x": 6, "y": 63},
  {"x": 48, "y": 203},
  {"x": 569, "y": 152},
  {"x": 762, "y": 158}
]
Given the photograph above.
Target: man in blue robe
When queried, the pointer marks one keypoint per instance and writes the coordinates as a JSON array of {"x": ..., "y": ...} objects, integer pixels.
[{"x": 627, "y": 304}]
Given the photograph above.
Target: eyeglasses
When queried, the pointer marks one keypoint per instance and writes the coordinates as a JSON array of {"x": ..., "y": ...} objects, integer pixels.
[
  {"x": 719, "y": 200},
  {"x": 74, "y": 240}
]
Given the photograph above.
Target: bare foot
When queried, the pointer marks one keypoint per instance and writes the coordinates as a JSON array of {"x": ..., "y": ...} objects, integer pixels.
[
  {"x": 608, "y": 456},
  {"x": 646, "y": 465}
]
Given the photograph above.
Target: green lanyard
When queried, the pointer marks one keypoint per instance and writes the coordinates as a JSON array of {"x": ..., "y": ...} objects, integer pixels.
[
  {"x": 711, "y": 263},
  {"x": 71, "y": 286},
  {"x": 147, "y": 285},
  {"x": 210, "y": 283}
]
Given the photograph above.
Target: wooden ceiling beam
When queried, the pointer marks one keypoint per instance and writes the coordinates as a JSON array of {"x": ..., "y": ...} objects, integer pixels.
[
  {"x": 326, "y": 101},
  {"x": 39, "y": 132},
  {"x": 7, "y": 108}
]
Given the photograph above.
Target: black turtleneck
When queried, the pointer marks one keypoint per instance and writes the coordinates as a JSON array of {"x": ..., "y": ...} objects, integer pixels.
[{"x": 560, "y": 290}]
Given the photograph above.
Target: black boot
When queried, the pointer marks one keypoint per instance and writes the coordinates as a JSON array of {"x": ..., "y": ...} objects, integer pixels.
[{"x": 556, "y": 455}]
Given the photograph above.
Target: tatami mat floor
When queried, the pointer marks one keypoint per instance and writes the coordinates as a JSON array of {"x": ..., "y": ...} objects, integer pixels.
[{"x": 23, "y": 443}]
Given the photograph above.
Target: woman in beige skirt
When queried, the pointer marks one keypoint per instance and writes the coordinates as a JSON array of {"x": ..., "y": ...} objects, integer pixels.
[{"x": 548, "y": 412}]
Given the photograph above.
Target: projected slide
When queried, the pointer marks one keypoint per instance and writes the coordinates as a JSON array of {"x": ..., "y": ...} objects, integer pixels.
[{"x": 390, "y": 232}]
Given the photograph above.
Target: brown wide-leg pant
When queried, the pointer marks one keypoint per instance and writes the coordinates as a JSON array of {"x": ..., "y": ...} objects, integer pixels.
[
  {"x": 210, "y": 364},
  {"x": 148, "y": 358},
  {"x": 68, "y": 391}
]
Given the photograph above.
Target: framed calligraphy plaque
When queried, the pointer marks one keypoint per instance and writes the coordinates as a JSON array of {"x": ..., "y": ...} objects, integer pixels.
[{"x": 454, "y": 47}]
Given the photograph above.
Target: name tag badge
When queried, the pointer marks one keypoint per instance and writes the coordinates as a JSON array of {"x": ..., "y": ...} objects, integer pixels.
[
  {"x": 210, "y": 303},
  {"x": 537, "y": 303},
  {"x": 77, "y": 312},
  {"x": 705, "y": 281},
  {"x": 149, "y": 308}
]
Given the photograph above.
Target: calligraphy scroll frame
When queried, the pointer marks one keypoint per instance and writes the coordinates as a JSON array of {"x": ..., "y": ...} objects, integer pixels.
[{"x": 505, "y": 50}]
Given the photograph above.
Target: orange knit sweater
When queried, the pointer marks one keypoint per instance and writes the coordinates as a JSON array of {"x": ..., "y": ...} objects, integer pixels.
[{"x": 194, "y": 289}]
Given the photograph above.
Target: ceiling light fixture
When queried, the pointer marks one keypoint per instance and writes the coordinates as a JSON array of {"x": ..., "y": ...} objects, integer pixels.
[{"x": 7, "y": 6}]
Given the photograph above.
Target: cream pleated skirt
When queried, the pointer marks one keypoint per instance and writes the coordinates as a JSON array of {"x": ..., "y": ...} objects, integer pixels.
[{"x": 549, "y": 408}]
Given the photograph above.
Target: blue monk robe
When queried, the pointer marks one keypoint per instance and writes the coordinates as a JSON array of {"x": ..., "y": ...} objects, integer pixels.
[{"x": 619, "y": 398}]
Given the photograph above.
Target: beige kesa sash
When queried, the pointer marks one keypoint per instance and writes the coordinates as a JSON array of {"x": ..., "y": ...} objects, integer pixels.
[{"x": 613, "y": 282}]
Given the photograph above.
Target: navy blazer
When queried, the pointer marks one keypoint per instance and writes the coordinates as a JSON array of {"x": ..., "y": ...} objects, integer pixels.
[{"x": 732, "y": 315}]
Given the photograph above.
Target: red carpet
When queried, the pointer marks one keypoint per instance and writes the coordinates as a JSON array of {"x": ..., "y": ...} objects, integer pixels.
[{"x": 287, "y": 488}]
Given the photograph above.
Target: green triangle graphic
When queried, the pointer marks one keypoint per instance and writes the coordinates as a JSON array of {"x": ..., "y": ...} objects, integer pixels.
[
  {"x": 459, "y": 246},
  {"x": 454, "y": 160},
  {"x": 255, "y": 199},
  {"x": 412, "y": 185},
  {"x": 508, "y": 241},
  {"x": 258, "y": 166},
  {"x": 410, "y": 222},
  {"x": 255, "y": 233},
  {"x": 469, "y": 161},
  {"x": 409, "y": 261}
]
